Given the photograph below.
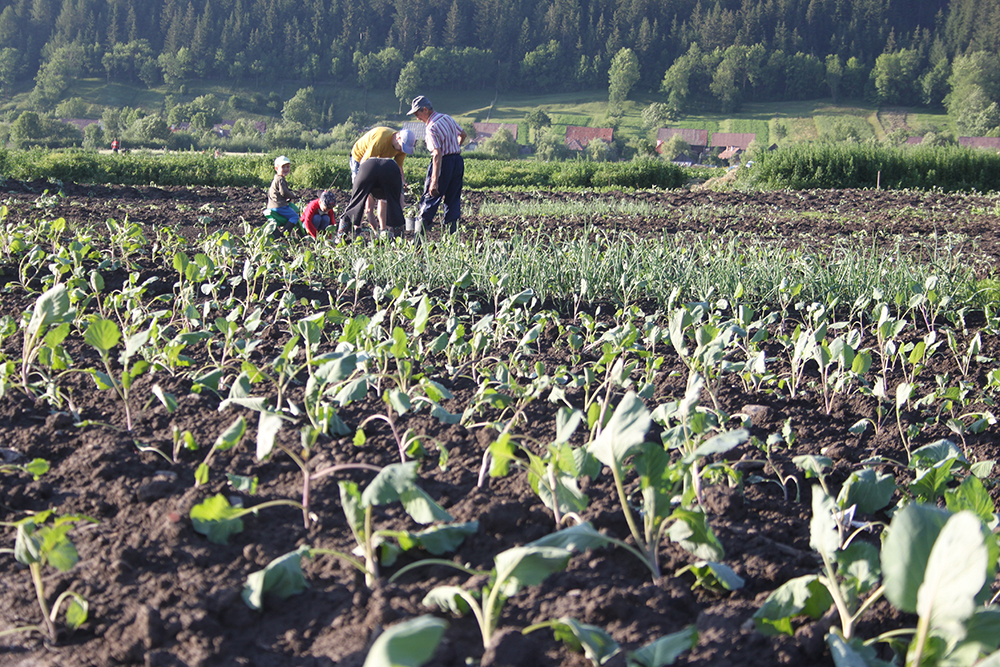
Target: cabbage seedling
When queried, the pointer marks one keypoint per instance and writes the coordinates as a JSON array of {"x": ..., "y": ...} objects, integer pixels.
[
  {"x": 103, "y": 335},
  {"x": 396, "y": 482},
  {"x": 52, "y": 308},
  {"x": 38, "y": 544},
  {"x": 600, "y": 647},
  {"x": 621, "y": 446},
  {"x": 513, "y": 570}
]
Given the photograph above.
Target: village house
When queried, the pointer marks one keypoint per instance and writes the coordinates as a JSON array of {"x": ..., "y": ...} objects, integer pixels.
[
  {"x": 486, "y": 130},
  {"x": 577, "y": 137},
  {"x": 989, "y": 143},
  {"x": 697, "y": 140},
  {"x": 732, "y": 144}
]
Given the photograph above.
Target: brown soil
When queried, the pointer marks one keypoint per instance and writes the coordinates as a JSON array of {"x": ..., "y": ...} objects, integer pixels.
[{"x": 162, "y": 595}]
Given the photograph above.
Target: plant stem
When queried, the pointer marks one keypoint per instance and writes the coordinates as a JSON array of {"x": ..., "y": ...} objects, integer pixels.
[{"x": 36, "y": 579}]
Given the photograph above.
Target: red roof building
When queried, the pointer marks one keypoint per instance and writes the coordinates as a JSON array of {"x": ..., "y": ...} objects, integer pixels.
[
  {"x": 487, "y": 130},
  {"x": 696, "y": 139},
  {"x": 732, "y": 140},
  {"x": 577, "y": 137},
  {"x": 989, "y": 143}
]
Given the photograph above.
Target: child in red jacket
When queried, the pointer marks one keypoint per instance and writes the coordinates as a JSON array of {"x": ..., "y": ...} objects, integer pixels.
[{"x": 318, "y": 213}]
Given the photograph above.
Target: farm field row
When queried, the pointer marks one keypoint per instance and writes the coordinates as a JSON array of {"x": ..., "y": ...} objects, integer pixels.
[{"x": 716, "y": 396}]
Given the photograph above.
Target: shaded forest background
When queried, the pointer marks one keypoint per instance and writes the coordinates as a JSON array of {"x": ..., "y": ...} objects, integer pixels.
[{"x": 692, "y": 54}]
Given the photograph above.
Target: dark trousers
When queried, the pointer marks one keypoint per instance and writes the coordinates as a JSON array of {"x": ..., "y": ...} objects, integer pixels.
[
  {"x": 449, "y": 192},
  {"x": 380, "y": 178}
]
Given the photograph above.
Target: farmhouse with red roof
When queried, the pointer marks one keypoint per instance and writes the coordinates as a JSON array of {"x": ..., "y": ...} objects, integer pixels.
[
  {"x": 696, "y": 139},
  {"x": 989, "y": 143},
  {"x": 578, "y": 137}
]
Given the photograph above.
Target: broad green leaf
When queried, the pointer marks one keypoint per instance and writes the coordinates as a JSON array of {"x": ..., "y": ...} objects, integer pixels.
[
  {"x": 268, "y": 427},
  {"x": 102, "y": 335},
  {"x": 567, "y": 421},
  {"x": 935, "y": 453},
  {"x": 134, "y": 343},
  {"x": 859, "y": 565},
  {"x": 338, "y": 369},
  {"x": 421, "y": 507},
  {"x": 721, "y": 443},
  {"x": 665, "y": 650},
  {"x": 400, "y": 401},
  {"x": 520, "y": 567},
  {"x": 57, "y": 549},
  {"x": 502, "y": 453},
  {"x": 57, "y": 335},
  {"x": 423, "y": 313},
  {"x": 398, "y": 482},
  {"x": 690, "y": 529},
  {"x": 956, "y": 571},
  {"x": 906, "y": 550},
  {"x": 168, "y": 400},
  {"x": 626, "y": 429},
  {"x": 903, "y": 392},
  {"x": 983, "y": 630},
  {"x": 448, "y": 598},
  {"x": 102, "y": 380},
  {"x": 242, "y": 483},
  {"x": 844, "y": 654},
  {"x": 716, "y": 575},
  {"x": 435, "y": 391},
  {"x": 282, "y": 578},
  {"x": 813, "y": 466},
  {"x": 597, "y": 645},
  {"x": 801, "y": 596},
  {"x": 52, "y": 307},
  {"x": 76, "y": 612},
  {"x": 232, "y": 435},
  {"x": 37, "y": 467},
  {"x": 868, "y": 489},
  {"x": 354, "y": 510},
  {"x": 439, "y": 540},
  {"x": 27, "y": 545},
  {"x": 216, "y": 519},
  {"x": 408, "y": 644},
  {"x": 568, "y": 495},
  {"x": 201, "y": 474},
  {"x": 971, "y": 495},
  {"x": 576, "y": 538},
  {"x": 823, "y": 535}
]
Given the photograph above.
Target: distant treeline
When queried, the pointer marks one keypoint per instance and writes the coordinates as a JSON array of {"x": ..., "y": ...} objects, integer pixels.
[{"x": 532, "y": 45}]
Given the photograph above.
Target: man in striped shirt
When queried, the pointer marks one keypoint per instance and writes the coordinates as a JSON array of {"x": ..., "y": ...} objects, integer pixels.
[{"x": 443, "y": 183}]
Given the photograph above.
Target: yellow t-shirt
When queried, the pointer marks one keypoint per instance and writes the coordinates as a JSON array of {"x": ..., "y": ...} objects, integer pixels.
[{"x": 377, "y": 142}]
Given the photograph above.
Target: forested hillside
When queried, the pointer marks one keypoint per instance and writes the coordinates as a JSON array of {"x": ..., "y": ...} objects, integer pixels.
[{"x": 696, "y": 54}]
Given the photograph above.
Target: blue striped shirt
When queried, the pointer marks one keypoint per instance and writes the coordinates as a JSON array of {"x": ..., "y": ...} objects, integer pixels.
[{"x": 443, "y": 134}]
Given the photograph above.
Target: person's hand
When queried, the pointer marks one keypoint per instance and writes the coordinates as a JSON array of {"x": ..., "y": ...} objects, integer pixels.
[{"x": 434, "y": 191}]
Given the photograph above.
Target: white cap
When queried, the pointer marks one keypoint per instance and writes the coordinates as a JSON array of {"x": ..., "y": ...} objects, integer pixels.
[{"x": 280, "y": 160}]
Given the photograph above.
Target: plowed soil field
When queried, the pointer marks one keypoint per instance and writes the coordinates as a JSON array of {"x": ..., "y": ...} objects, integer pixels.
[{"x": 162, "y": 595}]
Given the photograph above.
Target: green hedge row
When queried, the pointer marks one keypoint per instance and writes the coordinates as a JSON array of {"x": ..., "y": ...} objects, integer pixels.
[
  {"x": 811, "y": 166},
  {"x": 313, "y": 169}
]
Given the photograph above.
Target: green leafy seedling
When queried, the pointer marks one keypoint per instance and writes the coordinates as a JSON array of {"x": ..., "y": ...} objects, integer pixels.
[
  {"x": 599, "y": 647},
  {"x": 103, "y": 335},
  {"x": 394, "y": 483},
  {"x": 217, "y": 519},
  {"x": 39, "y": 543}
]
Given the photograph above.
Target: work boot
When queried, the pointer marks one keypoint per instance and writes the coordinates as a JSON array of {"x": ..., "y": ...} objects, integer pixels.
[{"x": 343, "y": 233}]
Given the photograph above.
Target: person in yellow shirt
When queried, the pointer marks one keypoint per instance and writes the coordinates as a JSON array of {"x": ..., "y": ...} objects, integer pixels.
[{"x": 381, "y": 142}]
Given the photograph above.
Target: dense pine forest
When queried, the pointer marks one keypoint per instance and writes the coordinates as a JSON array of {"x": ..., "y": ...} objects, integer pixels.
[{"x": 691, "y": 54}]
